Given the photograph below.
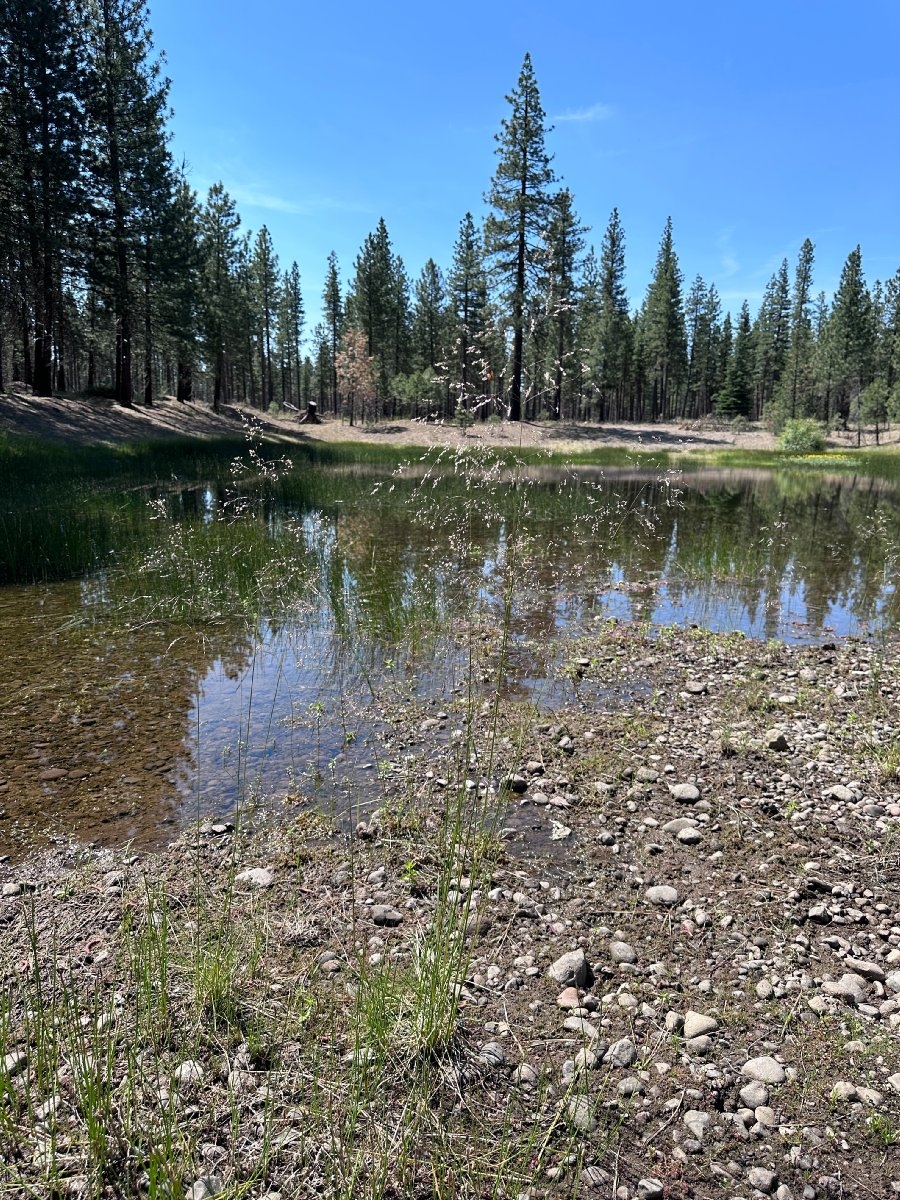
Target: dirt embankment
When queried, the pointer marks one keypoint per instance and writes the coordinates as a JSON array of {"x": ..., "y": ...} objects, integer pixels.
[{"x": 80, "y": 422}]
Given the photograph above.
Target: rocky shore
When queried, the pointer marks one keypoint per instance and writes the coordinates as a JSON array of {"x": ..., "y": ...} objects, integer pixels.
[{"x": 660, "y": 928}]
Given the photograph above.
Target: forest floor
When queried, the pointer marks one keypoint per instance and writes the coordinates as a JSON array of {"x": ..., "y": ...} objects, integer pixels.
[{"x": 81, "y": 422}]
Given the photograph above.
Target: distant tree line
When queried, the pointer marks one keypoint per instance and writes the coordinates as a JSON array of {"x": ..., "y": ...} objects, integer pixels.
[{"x": 117, "y": 280}]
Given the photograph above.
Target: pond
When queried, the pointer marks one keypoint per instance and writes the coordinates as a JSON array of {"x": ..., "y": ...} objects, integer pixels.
[{"x": 228, "y": 643}]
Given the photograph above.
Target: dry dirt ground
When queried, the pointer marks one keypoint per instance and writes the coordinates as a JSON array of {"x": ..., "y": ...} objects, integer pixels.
[
  {"x": 77, "y": 421},
  {"x": 81, "y": 422}
]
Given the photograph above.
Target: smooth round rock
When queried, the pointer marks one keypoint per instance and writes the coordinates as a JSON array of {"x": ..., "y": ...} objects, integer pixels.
[
  {"x": 687, "y": 793},
  {"x": 580, "y": 1026},
  {"x": 696, "y": 1023},
  {"x": 689, "y": 837},
  {"x": 621, "y": 1053},
  {"x": 696, "y": 1122},
  {"x": 526, "y": 1075},
  {"x": 383, "y": 914},
  {"x": 492, "y": 1054},
  {"x": 764, "y": 1069},
  {"x": 205, "y": 1187},
  {"x": 763, "y": 1180},
  {"x": 699, "y": 1046},
  {"x": 580, "y": 1112},
  {"x": 663, "y": 895},
  {"x": 586, "y": 1060},
  {"x": 188, "y": 1073},
  {"x": 621, "y": 952},
  {"x": 650, "y": 1188},
  {"x": 754, "y": 1094}
]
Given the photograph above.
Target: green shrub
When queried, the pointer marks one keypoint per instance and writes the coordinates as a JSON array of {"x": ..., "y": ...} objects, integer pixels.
[{"x": 802, "y": 436}]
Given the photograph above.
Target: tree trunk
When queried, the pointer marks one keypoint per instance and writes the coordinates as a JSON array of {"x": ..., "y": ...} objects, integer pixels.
[
  {"x": 148, "y": 341},
  {"x": 185, "y": 387},
  {"x": 27, "y": 371}
]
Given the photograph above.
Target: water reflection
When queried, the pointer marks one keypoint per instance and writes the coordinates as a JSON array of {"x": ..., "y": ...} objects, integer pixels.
[{"x": 108, "y": 734}]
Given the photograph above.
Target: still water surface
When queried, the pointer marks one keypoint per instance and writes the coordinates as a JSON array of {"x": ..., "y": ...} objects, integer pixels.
[{"x": 119, "y": 725}]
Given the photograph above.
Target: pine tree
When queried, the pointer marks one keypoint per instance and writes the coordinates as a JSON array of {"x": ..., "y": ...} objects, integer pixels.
[
  {"x": 892, "y": 341},
  {"x": 130, "y": 164},
  {"x": 163, "y": 260},
  {"x": 378, "y": 304},
  {"x": 851, "y": 330},
  {"x": 468, "y": 292},
  {"x": 663, "y": 328},
  {"x": 334, "y": 319},
  {"x": 824, "y": 366},
  {"x": 429, "y": 322},
  {"x": 401, "y": 332},
  {"x": 42, "y": 99},
  {"x": 180, "y": 281},
  {"x": 793, "y": 397},
  {"x": 219, "y": 224},
  {"x": 265, "y": 283},
  {"x": 323, "y": 367},
  {"x": 291, "y": 316},
  {"x": 771, "y": 337},
  {"x": 522, "y": 204},
  {"x": 736, "y": 396},
  {"x": 723, "y": 357},
  {"x": 698, "y": 333},
  {"x": 610, "y": 348},
  {"x": 564, "y": 244},
  {"x": 705, "y": 367}
]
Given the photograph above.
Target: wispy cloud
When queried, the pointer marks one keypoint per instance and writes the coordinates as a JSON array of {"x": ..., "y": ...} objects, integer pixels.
[
  {"x": 596, "y": 112},
  {"x": 249, "y": 197},
  {"x": 257, "y": 195},
  {"x": 728, "y": 260},
  {"x": 303, "y": 205}
]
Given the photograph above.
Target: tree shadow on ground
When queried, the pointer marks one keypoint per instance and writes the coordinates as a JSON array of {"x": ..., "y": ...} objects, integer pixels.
[{"x": 636, "y": 435}]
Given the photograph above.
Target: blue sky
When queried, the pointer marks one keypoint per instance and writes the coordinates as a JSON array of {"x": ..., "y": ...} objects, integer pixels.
[{"x": 753, "y": 126}]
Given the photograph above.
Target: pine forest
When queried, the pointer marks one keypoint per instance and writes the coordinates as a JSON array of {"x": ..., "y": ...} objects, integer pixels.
[{"x": 117, "y": 280}]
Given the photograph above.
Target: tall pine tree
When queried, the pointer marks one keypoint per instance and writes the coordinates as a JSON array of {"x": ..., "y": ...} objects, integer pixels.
[
  {"x": 334, "y": 319},
  {"x": 523, "y": 205},
  {"x": 469, "y": 369},
  {"x": 663, "y": 331},
  {"x": 793, "y": 396},
  {"x": 562, "y": 269},
  {"x": 42, "y": 114},
  {"x": 130, "y": 164}
]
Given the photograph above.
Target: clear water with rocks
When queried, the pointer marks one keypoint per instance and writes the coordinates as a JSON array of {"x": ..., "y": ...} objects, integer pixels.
[{"x": 119, "y": 724}]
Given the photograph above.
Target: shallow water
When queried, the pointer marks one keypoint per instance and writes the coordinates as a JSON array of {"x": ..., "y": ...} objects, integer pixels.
[{"x": 118, "y": 725}]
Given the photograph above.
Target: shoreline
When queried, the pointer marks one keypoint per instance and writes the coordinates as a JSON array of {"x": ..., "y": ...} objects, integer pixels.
[{"x": 672, "y": 963}]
